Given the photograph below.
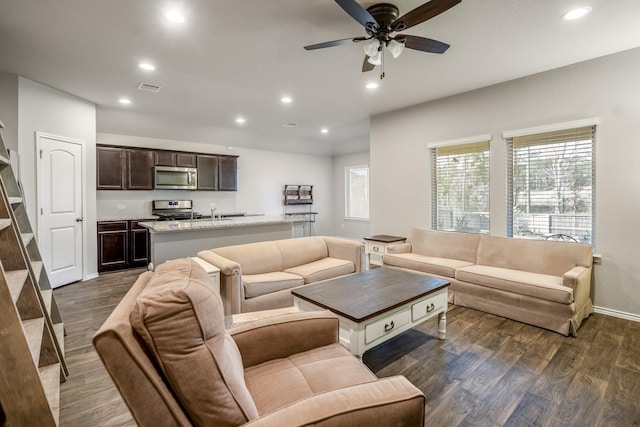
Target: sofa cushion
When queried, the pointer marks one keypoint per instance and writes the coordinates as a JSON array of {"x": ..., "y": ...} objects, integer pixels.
[
  {"x": 300, "y": 251},
  {"x": 539, "y": 256},
  {"x": 280, "y": 382},
  {"x": 326, "y": 268},
  {"x": 266, "y": 283},
  {"x": 181, "y": 321},
  {"x": 537, "y": 285},
  {"x": 254, "y": 258},
  {"x": 444, "y": 244},
  {"x": 426, "y": 264}
]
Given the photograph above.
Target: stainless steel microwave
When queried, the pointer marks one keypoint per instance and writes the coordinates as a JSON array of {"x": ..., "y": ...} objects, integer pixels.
[{"x": 172, "y": 178}]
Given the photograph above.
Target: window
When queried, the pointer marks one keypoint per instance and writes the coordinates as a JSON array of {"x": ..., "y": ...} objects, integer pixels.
[
  {"x": 460, "y": 186},
  {"x": 357, "y": 192},
  {"x": 551, "y": 184}
]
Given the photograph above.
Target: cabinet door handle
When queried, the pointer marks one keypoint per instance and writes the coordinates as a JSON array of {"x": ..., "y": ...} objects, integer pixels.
[
  {"x": 430, "y": 308},
  {"x": 388, "y": 326}
]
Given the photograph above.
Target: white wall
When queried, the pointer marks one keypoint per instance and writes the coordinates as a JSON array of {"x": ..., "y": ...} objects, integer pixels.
[
  {"x": 261, "y": 177},
  {"x": 9, "y": 109},
  {"x": 606, "y": 88},
  {"x": 43, "y": 109},
  {"x": 346, "y": 227}
]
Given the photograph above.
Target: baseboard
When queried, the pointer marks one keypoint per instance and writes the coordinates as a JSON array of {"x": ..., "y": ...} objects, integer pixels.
[
  {"x": 617, "y": 313},
  {"x": 90, "y": 276}
]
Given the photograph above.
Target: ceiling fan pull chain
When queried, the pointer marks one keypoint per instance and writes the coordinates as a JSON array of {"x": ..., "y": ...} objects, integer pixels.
[{"x": 382, "y": 63}]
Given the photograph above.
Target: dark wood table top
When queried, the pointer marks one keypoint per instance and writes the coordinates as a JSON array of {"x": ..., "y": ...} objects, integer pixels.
[
  {"x": 362, "y": 296},
  {"x": 385, "y": 238}
]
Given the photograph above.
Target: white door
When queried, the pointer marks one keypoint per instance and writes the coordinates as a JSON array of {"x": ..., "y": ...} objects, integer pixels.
[{"x": 60, "y": 207}]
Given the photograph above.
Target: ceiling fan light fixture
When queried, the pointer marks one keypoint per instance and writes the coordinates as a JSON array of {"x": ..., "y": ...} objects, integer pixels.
[
  {"x": 395, "y": 48},
  {"x": 375, "y": 59},
  {"x": 371, "y": 48}
]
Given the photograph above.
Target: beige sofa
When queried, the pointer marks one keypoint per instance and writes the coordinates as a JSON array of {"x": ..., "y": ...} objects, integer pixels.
[
  {"x": 167, "y": 351},
  {"x": 260, "y": 276},
  {"x": 542, "y": 283}
]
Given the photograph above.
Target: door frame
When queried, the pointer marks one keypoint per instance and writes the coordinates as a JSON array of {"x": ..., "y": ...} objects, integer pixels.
[{"x": 83, "y": 187}]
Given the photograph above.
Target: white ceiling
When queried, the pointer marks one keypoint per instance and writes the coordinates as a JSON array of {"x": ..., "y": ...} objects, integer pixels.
[{"x": 238, "y": 57}]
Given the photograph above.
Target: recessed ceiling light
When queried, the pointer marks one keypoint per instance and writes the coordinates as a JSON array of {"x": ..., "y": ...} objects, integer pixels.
[
  {"x": 124, "y": 101},
  {"x": 175, "y": 16},
  {"x": 576, "y": 13},
  {"x": 289, "y": 125},
  {"x": 324, "y": 130},
  {"x": 372, "y": 85},
  {"x": 147, "y": 66},
  {"x": 286, "y": 100},
  {"x": 241, "y": 120}
]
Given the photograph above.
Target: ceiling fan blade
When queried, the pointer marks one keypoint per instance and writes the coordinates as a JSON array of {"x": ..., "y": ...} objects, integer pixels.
[
  {"x": 423, "y": 44},
  {"x": 334, "y": 43},
  {"x": 423, "y": 13},
  {"x": 358, "y": 13},
  {"x": 366, "y": 65}
]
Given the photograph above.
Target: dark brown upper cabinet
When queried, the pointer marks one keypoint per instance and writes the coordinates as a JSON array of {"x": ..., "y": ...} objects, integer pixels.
[
  {"x": 139, "y": 171},
  {"x": 110, "y": 166},
  {"x": 172, "y": 158},
  {"x": 207, "y": 172},
  {"x": 227, "y": 173}
]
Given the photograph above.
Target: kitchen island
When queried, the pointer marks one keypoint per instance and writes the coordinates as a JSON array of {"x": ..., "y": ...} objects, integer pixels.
[{"x": 185, "y": 238}]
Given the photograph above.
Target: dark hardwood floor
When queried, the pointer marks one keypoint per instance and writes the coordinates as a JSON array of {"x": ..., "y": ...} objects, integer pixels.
[{"x": 490, "y": 371}]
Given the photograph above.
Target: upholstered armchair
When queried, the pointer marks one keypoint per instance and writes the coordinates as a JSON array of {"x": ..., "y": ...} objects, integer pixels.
[{"x": 174, "y": 363}]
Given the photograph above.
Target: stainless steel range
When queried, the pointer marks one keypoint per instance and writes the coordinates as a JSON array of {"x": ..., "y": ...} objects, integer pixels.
[{"x": 169, "y": 210}]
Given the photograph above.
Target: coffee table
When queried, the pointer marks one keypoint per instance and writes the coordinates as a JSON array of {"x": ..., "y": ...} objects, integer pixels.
[{"x": 376, "y": 305}]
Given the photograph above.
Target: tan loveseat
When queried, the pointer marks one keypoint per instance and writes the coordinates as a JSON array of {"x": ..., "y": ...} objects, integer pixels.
[
  {"x": 167, "y": 350},
  {"x": 260, "y": 276},
  {"x": 542, "y": 283}
]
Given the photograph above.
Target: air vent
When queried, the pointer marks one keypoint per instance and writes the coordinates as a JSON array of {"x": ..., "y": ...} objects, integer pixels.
[{"x": 148, "y": 87}]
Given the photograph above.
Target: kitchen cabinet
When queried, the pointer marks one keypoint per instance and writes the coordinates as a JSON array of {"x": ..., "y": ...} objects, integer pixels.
[
  {"x": 139, "y": 170},
  {"x": 207, "y": 172},
  {"x": 121, "y": 245},
  {"x": 174, "y": 158},
  {"x": 110, "y": 166},
  {"x": 227, "y": 173},
  {"x": 129, "y": 168}
]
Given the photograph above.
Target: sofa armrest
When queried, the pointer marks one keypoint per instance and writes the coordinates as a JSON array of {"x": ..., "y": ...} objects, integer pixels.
[
  {"x": 231, "y": 289},
  {"x": 281, "y": 336},
  {"x": 577, "y": 277},
  {"x": 391, "y": 401},
  {"x": 399, "y": 248},
  {"x": 346, "y": 249}
]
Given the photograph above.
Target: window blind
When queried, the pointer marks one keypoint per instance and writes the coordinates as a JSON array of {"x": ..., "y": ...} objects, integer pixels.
[
  {"x": 357, "y": 192},
  {"x": 551, "y": 184},
  {"x": 460, "y": 187}
]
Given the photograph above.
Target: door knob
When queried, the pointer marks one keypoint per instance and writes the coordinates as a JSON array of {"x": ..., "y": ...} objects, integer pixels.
[{"x": 79, "y": 219}]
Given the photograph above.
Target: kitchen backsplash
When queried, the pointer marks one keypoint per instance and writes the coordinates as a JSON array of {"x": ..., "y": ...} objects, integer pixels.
[{"x": 137, "y": 204}]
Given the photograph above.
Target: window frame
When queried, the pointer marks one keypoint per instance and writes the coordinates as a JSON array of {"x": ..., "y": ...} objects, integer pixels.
[
  {"x": 348, "y": 191},
  {"x": 540, "y": 131},
  {"x": 461, "y": 142}
]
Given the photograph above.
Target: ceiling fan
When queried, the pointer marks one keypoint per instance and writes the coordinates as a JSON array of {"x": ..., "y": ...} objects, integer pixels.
[{"x": 380, "y": 21}]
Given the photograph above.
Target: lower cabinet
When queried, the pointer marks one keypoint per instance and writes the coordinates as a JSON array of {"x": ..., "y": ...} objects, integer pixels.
[{"x": 121, "y": 245}]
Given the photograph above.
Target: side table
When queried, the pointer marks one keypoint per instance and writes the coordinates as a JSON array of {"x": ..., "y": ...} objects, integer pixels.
[{"x": 376, "y": 246}]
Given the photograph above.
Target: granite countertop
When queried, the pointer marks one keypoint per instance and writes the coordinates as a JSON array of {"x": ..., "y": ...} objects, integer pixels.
[
  {"x": 207, "y": 224},
  {"x": 128, "y": 218}
]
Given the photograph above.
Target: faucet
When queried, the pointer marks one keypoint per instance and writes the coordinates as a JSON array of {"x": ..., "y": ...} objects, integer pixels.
[{"x": 213, "y": 218}]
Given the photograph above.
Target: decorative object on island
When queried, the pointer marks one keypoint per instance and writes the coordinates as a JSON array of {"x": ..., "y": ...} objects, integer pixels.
[
  {"x": 376, "y": 246},
  {"x": 131, "y": 168},
  {"x": 167, "y": 350},
  {"x": 31, "y": 329},
  {"x": 297, "y": 201}
]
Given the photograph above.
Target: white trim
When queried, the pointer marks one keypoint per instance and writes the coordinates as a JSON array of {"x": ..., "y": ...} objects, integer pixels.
[
  {"x": 459, "y": 141},
  {"x": 90, "y": 276},
  {"x": 550, "y": 128},
  {"x": 617, "y": 313}
]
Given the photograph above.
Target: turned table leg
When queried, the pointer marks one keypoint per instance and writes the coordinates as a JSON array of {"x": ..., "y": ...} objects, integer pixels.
[{"x": 442, "y": 325}]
